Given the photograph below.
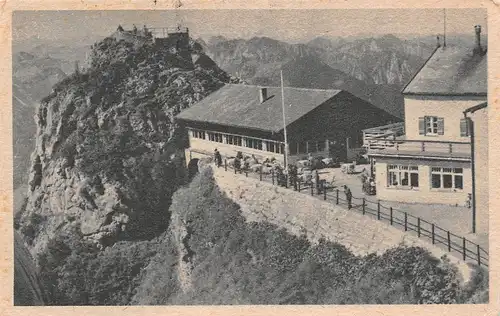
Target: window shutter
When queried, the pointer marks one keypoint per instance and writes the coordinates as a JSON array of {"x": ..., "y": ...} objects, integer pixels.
[
  {"x": 421, "y": 125},
  {"x": 463, "y": 128},
  {"x": 440, "y": 123}
]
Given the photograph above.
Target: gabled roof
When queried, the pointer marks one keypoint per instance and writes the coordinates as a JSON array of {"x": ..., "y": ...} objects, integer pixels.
[
  {"x": 451, "y": 70},
  {"x": 239, "y": 105}
]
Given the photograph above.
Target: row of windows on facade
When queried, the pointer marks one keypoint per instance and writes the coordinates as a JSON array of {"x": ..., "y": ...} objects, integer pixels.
[
  {"x": 241, "y": 141},
  {"x": 255, "y": 143},
  {"x": 433, "y": 125},
  {"x": 441, "y": 178}
]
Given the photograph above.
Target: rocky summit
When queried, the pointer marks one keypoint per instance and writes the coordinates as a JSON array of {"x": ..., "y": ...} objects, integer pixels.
[{"x": 105, "y": 156}]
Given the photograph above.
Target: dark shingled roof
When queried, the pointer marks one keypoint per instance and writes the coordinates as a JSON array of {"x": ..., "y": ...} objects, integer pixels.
[
  {"x": 239, "y": 105},
  {"x": 451, "y": 71}
]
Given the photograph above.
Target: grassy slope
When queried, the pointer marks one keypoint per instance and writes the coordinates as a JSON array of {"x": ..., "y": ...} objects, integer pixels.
[{"x": 235, "y": 262}]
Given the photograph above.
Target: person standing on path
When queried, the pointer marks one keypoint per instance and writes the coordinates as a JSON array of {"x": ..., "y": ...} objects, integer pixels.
[
  {"x": 348, "y": 196},
  {"x": 316, "y": 176},
  {"x": 218, "y": 158}
]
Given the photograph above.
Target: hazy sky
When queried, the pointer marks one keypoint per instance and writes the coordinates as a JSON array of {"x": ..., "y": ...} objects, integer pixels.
[{"x": 288, "y": 25}]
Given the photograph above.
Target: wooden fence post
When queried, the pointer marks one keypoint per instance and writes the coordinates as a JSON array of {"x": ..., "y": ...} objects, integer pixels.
[
  {"x": 433, "y": 235},
  {"x": 418, "y": 227},
  {"x": 378, "y": 209},
  {"x": 337, "y": 197},
  {"x": 312, "y": 189},
  {"x": 449, "y": 241},
  {"x": 299, "y": 185},
  {"x": 225, "y": 164},
  {"x": 324, "y": 191},
  {"x": 260, "y": 174},
  {"x": 364, "y": 206},
  {"x": 464, "y": 248},
  {"x": 478, "y": 256},
  {"x": 272, "y": 175},
  {"x": 390, "y": 209},
  {"x": 406, "y": 222},
  {"x": 286, "y": 181}
]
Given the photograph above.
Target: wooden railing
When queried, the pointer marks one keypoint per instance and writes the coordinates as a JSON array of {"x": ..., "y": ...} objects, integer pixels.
[
  {"x": 164, "y": 31},
  {"x": 421, "y": 228},
  {"x": 390, "y": 131},
  {"x": 421, "y": 146}
]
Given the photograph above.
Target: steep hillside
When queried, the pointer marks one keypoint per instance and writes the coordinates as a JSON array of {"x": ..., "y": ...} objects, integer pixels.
[
  {"x": 33, "y": 77},
  {"x": 383, "y": 60},
  {"x": 27, "y": 285},
  {"x": 211, "y": 255},
  {"x": 246, "y": 58},
  {"x": 106, "y": 160}
]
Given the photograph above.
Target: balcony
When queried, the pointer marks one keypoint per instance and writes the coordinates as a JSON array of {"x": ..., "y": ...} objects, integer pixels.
[
  {"x": 374, "y": 134},
  {"x": 429, "y": 149}
]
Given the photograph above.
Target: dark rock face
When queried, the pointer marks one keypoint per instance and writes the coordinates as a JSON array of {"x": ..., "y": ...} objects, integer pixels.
[
  {"x": 106, "y": 158},
  {"x": 27, "y": 287}
]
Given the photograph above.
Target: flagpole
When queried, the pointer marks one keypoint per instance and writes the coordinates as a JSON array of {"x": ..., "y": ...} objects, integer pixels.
[{"x": 284, "y": 121}]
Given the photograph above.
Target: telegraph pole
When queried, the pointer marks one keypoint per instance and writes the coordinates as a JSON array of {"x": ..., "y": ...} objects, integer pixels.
[{"x": 284, "y": 120}]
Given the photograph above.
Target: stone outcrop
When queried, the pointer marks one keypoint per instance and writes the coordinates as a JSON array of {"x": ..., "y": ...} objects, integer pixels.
[{"x": 106, "y": 154}]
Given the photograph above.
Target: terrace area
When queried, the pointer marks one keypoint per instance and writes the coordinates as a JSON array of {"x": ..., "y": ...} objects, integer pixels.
[
  {"x": 390, "y": 140},
  {"x": 161, "y": 32}
]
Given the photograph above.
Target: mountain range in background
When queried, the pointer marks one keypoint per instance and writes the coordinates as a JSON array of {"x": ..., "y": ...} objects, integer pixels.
[{"x": 373, "y": 68}]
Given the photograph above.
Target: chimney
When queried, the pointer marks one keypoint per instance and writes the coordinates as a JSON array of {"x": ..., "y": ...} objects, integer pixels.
[
  {"x": 263, "y": 95},
  {"x": 478, "y": 49}
]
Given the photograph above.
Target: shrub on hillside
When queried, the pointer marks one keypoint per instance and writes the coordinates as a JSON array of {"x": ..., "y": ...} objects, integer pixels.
[
  {"x": 237, "y": 262},
  {"x": 76, "y": 273}
]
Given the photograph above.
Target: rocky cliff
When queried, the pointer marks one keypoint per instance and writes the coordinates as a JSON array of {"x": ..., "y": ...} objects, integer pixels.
[
  {"x": 33, "y": 77},
  {"x": 106, "y": 159}
]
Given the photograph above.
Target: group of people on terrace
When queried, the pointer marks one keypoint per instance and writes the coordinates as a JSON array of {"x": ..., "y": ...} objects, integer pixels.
[{"x": 285, "y": 177}]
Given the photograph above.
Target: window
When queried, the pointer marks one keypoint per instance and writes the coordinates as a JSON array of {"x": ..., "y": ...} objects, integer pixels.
[
  {"x": 321, "y": 145},
  {"x": 215, "y": 137},
  {"x": 270, "y": 146},
  {"x": 198, "y": 134},
  {"x": 431, "y": 125},
  {"x": 447, "y": 178},
  {"x": 253, "y": 143},
  {"x": 464, "y": 128},
  {"x": 275, "y": 147},
  {"x": 233, "y": 140},
  {"x": 301, "y": 148},
  {"x": 402, "y": 176}
]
